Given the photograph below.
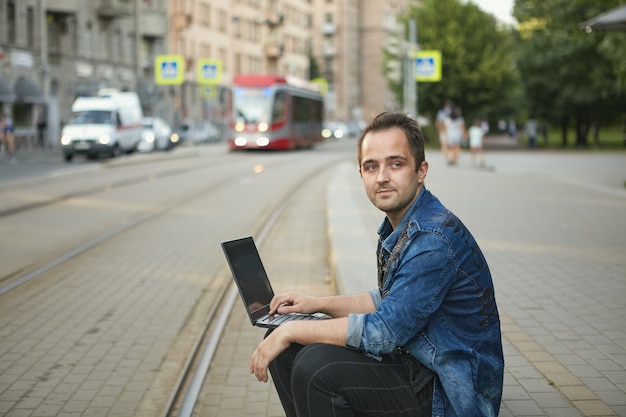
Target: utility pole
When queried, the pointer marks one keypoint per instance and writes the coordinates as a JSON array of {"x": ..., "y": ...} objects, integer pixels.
[
  {"x": 137, "y": 39},
  {"x": 43, "y": 27},
  {"x": 410, "y": 84}
]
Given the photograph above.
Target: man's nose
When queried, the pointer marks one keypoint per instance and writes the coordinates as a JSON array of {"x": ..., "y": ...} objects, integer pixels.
[{"x": 382, "y": 175}]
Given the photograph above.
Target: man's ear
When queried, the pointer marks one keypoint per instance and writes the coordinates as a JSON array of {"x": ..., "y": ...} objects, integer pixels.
[{"x": 422, "y": 171}]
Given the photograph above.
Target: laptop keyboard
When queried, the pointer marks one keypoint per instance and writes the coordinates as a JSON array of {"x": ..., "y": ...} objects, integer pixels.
[{"x": 278, "y": 319}]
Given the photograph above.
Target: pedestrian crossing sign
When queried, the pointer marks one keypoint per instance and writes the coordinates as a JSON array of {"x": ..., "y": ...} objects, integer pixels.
[
  {"x": 427, "y": 66},
  {"x": 209, "y": 71},
  {"x": 169, "y": 69}
]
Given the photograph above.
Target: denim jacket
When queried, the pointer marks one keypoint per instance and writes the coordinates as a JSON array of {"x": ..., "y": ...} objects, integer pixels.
[{"x": 438, "y": 302}]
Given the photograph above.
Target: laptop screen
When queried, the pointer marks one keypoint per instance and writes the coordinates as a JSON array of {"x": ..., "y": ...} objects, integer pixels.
[{"x": 250, "y": 276}]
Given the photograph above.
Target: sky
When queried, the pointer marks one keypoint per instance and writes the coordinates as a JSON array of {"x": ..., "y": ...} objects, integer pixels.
[{"x": 500, "y": 8}]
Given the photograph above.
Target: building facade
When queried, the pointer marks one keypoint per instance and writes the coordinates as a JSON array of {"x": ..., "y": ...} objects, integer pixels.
[
  {"x": 55, "y": 50},
  {"x": 349, "y": 39},
  {"x": 51, "y": 51}
]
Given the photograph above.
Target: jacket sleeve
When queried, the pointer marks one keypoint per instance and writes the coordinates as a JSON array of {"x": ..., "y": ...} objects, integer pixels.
[{"x": 418, "y": 283}]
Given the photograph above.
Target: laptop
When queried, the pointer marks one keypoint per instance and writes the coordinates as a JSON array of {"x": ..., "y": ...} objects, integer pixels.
[{"x": 254, "y": 285}]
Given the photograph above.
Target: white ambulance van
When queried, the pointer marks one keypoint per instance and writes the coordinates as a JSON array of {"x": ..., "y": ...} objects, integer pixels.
[{"x": 108, "y": 124}]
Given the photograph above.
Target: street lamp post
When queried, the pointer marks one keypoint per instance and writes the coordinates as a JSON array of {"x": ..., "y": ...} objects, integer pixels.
[
  {"x": 43, "y": 24},
  {"x": 410, "y": 83}
]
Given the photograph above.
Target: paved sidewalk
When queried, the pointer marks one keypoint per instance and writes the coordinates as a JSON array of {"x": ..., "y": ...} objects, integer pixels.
[
  {"x": 556, "y": 363},
  {"x": 559, "y": 288}
]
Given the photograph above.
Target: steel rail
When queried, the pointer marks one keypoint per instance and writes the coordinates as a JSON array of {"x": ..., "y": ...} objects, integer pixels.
[{"x": 211, "y": 341}]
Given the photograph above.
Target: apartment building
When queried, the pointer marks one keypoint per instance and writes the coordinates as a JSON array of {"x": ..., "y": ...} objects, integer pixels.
[
  {"x": 349, "y": 38},
  {"x": 54, "y": 50},
  {"x": 246, "y": 36}
]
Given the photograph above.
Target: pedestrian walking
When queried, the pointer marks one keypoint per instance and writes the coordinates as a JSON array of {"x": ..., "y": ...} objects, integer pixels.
[
  {"x": 512, "y": 127},
  {"x": 441, "y": 126},
  {"x": 456, "y": 133},
  {"x": 6, "y": 132},
  {"x": 476, "y": 135},
  {"x": 531, "y": 131}
]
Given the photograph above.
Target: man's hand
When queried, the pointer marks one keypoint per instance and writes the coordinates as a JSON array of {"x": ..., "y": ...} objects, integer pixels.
[
  {"x": 293, "y": 303},
  {"x": 334, "y": 306},
  {"x": 268, "y": 350},
  {"x": 331, "y": 331}
]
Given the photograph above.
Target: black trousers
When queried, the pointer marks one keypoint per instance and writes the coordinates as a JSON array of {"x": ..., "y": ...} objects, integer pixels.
[{"x": 325, "y": 380}]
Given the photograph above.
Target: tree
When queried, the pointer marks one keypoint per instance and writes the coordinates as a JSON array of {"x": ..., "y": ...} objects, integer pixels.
[
  {"x": 569, "y": 75},
  {"x": 314, "y": 69},
  {"x": 478, "y": 71}
]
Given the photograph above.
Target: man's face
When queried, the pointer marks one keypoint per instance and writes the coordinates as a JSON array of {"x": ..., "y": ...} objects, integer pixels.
[{"x": 389, "y": 173}]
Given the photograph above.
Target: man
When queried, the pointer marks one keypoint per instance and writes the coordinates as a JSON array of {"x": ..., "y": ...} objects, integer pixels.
[{"x": 427, "y": 340}]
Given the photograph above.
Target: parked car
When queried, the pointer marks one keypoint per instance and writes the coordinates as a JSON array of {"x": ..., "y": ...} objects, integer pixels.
[
  {"x": 199, "y": 132},
  {"x": 334, "y": 129},
  {"x": 156, "y": 135}
]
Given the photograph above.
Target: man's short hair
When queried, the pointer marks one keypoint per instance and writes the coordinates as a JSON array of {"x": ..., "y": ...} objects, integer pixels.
[{"x": 408, "y": 125}]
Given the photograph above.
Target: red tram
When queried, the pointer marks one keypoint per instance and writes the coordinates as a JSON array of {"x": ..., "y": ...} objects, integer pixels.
[{"x": 275, "y": 112}]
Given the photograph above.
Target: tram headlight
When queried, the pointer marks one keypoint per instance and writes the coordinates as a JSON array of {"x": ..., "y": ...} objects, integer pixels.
[
  {"x": 241, "y": 141},
  {"x": 326, "y": 133},
  {"x": 239, "y": 127},
  {"x": 262, "y": 141},
  {"x": 263, "y": 127}
]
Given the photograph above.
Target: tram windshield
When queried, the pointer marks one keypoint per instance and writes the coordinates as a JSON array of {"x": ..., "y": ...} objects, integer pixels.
[{"x": 252, "y": 105}]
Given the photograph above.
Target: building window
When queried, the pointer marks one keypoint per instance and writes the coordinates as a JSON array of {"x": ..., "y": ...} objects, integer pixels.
[
  {"x": 222, "y": 57},
  {"x": 30, "y": 27},
  {"x": 238, "y": 69},
  {"x": 116, "y": 46},
  {"x": 87, "y": 41},
  {"x": 103, "y": 50},
  {"x": 129, "y": 46},
  {"x": 10, "y": 22},
  {"x": 205, "y": 15},
  {"x": 222, "y": 16},
  {"x": 71, "y": 33}
]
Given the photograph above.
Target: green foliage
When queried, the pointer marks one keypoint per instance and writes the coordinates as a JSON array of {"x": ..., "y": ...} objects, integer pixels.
[
  {"x": 546, "y": 68},
  {"x": 314, "y": 69},
  {"x": 609, "y": 139},
  {"x": 570, "y": 75},
  {"x": 478, "y": 71}
]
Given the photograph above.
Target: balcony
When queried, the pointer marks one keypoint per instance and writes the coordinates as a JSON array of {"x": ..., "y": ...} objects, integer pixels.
[
  {"x": 273, "y": 20},
  {"x": 328, "y": 28},
  {"x": 64, "y": 6},
  {"x": 329, "y": 51},
  {"x": 153, "y": 24},
  {"x": 114, "y": 8},
  {"x": 273, "y": 50}
]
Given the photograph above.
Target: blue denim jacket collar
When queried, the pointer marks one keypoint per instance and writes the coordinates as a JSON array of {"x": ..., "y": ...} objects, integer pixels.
[{"x": 389, "y": 235}]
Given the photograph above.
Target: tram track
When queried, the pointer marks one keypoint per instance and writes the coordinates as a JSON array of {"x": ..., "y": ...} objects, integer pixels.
[
  {"x": 16, "y": 278},
  {"x": 184, "y": 395}
]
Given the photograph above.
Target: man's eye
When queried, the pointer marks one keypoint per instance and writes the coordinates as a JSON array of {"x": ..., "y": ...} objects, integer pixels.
[{"x": 370, "y": 167}]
